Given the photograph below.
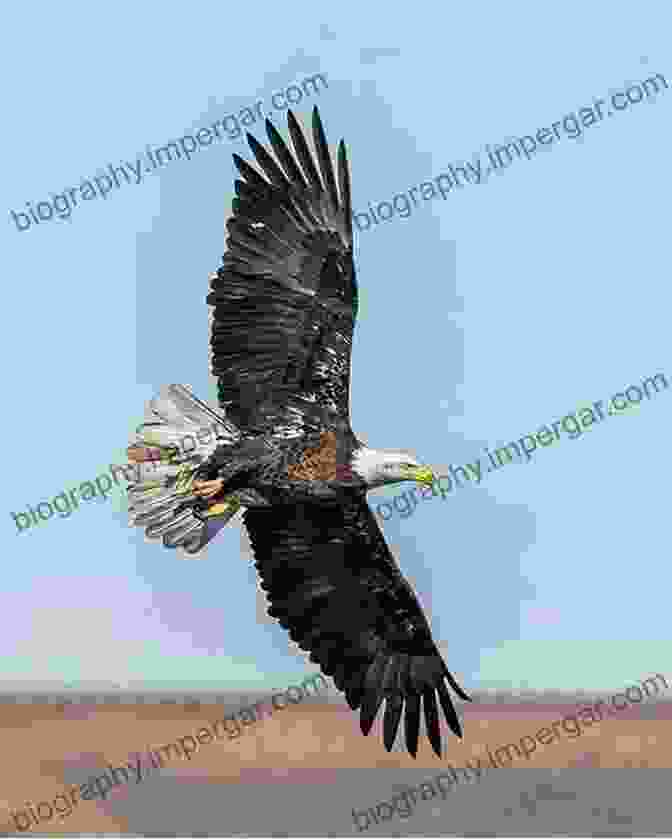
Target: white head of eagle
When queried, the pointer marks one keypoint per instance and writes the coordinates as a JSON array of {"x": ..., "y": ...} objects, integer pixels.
[{"x": 380, "y": 468}]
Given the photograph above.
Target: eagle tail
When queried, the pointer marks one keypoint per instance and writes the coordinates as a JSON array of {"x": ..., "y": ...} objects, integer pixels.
[{"x": 165, "y": 455}]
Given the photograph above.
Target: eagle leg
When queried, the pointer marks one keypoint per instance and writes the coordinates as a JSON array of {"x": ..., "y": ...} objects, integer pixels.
[{"x": 229, "y": 505}]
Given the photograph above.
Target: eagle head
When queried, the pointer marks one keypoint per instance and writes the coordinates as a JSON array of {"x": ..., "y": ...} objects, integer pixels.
[{"x": 379, "y": 468}]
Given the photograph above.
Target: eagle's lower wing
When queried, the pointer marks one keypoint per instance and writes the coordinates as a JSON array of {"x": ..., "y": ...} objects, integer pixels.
[
  {"x": 285, "y": 298},
  {"x": 334, "y": 585}
]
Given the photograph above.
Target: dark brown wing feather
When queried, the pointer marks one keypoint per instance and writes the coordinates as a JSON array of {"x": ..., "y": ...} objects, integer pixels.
[
  {"x": 334, "y": 585},
  {"x": 285, "y": 298}
]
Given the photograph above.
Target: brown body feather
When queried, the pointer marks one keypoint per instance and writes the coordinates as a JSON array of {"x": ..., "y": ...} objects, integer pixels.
[{"x": 319, "y": 463}]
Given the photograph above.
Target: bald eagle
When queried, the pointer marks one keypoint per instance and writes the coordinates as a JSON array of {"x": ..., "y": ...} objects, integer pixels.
[{"x": 280, "y": 444}]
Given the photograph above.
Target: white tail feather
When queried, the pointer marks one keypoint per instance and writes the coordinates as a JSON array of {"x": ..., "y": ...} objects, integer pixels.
[{"x": 167, "y": 452}]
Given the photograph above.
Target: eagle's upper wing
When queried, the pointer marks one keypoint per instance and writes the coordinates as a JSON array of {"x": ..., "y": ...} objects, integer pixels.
[
  {"x": 333, "y": 583},
  {"x": 285, "y": 298}
]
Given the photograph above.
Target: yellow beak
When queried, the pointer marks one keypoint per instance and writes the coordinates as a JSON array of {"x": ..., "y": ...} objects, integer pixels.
[{"x": 423, "y": 475}]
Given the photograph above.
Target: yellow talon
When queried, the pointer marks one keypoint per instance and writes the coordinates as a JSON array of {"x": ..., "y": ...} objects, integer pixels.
[{"x": 225, "y": 506}]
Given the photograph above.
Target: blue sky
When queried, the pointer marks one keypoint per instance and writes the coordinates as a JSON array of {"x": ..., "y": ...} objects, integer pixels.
[{"x": 483, "y": 317}]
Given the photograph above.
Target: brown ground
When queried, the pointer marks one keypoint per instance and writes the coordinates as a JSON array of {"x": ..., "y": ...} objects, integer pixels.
[{"x": 45, "y": 740}]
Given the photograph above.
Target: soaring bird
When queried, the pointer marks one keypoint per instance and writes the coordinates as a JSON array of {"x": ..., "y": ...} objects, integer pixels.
[{"x": 280, "y": 444}]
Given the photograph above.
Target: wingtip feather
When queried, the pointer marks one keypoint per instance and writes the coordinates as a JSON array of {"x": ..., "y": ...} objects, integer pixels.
[
  {"x": 412, "y": 723},
  {"x": 432, "y": 720},
  {"x": 449, "y": 710},
  {"x": 393, "y": 710}
]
